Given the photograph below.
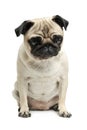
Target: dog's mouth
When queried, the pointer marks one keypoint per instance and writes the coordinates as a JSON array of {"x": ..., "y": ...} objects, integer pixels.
[{"x": 46, "y": 51}]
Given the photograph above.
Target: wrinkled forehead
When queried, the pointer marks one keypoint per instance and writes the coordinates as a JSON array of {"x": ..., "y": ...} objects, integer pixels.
[{"x": 45, "y": 27}]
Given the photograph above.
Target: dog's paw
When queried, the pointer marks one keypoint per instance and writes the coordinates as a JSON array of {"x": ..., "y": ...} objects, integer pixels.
[
  {"x": 24, "y": 114},
  {"x": 64, "y": 114}
]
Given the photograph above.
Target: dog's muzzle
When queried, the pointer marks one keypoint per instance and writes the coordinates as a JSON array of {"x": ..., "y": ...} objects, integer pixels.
[{"x": 46, "y": 51}]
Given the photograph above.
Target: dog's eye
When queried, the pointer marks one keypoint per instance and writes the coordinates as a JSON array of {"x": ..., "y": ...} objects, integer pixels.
[
  {"x": 57, "y": 39},
  {"x": 35, "y": 41}
]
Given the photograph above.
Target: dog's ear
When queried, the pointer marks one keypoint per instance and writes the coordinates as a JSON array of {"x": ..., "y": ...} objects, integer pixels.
[
  {"x": 23, "y": 28},
  {"x": 60, "y": 21}
]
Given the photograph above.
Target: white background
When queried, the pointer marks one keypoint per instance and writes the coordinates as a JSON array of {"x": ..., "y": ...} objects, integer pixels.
[{"x": 12, "y": 14}]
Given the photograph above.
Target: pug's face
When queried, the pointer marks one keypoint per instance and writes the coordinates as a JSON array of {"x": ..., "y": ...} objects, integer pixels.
[{"x": 43, "y": 38}]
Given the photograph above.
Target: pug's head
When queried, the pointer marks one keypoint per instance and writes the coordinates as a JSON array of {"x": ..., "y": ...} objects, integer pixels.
[{"x": 43, "y": 37}]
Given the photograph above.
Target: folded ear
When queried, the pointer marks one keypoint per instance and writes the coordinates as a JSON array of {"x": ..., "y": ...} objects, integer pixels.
[
  {"x": 60, "y": 21},
  {"x": 23, "y": 28}
]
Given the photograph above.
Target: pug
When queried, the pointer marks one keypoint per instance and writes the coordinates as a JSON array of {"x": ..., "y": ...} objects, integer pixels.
[{"x": 42, "y": 67}]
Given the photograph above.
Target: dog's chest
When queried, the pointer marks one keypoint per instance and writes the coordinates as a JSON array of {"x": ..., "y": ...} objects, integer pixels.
[{"x": 43, "y": 84}]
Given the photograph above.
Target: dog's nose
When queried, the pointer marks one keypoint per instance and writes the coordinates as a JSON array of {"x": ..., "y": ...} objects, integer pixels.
[{"x": 48, "y": 48}]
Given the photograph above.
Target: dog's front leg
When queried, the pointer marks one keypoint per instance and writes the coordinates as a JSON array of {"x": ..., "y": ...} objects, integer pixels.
[
  {"x": 23, "y": 103},
  {"x": 62, "y": 95}
]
